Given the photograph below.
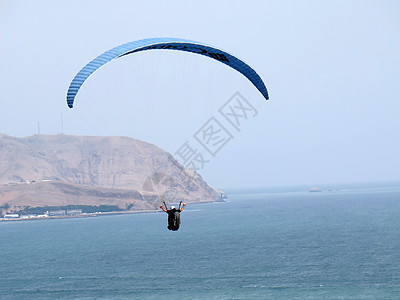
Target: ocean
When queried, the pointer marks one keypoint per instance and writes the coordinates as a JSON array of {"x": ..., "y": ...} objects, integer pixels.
[{"x": 266, "y": 243}]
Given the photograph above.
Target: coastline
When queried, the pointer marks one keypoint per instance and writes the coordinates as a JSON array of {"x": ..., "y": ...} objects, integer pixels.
[
  {"x": 85, "y": 215},
  {"x": 96, "y": 214}
]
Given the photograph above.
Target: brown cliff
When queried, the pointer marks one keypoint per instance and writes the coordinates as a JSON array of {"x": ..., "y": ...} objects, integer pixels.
[{"x": 60, "y": 170}]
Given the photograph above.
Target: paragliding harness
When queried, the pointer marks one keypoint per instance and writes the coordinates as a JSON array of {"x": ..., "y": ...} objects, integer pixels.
[{"x": 174, "y": 217}]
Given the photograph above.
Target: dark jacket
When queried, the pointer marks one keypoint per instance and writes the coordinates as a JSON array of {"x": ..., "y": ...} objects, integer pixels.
[{"x": 174, "y": 219}]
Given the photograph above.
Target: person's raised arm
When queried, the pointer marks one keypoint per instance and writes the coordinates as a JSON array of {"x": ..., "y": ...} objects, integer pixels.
[
  {"x": 162, "y": 207},
  {"x": 183, "y": 206}
]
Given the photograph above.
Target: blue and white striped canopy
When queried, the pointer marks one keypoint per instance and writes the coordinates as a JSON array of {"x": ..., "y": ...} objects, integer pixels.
[{"x": 167, "y": 44}]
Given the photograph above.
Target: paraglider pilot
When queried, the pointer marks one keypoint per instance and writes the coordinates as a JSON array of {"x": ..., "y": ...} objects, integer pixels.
[{"x": 174, "y": 215}]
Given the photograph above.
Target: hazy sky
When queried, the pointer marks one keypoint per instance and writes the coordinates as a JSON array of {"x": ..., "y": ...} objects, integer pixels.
[{"x": 332, "y": 69}]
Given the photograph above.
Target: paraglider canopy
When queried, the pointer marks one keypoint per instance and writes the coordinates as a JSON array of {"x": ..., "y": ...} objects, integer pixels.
[{"x": 164, "y": 44}]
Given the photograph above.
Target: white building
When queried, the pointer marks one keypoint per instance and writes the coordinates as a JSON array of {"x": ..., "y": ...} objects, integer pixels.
[{"x": 11, "y": 216}]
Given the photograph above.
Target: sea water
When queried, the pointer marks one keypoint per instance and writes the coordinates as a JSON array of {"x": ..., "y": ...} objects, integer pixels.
[{"x": 282, "y": 243}]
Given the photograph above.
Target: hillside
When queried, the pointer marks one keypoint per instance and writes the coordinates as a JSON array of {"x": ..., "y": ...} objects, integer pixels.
[{"x": 60, "y": 170}]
